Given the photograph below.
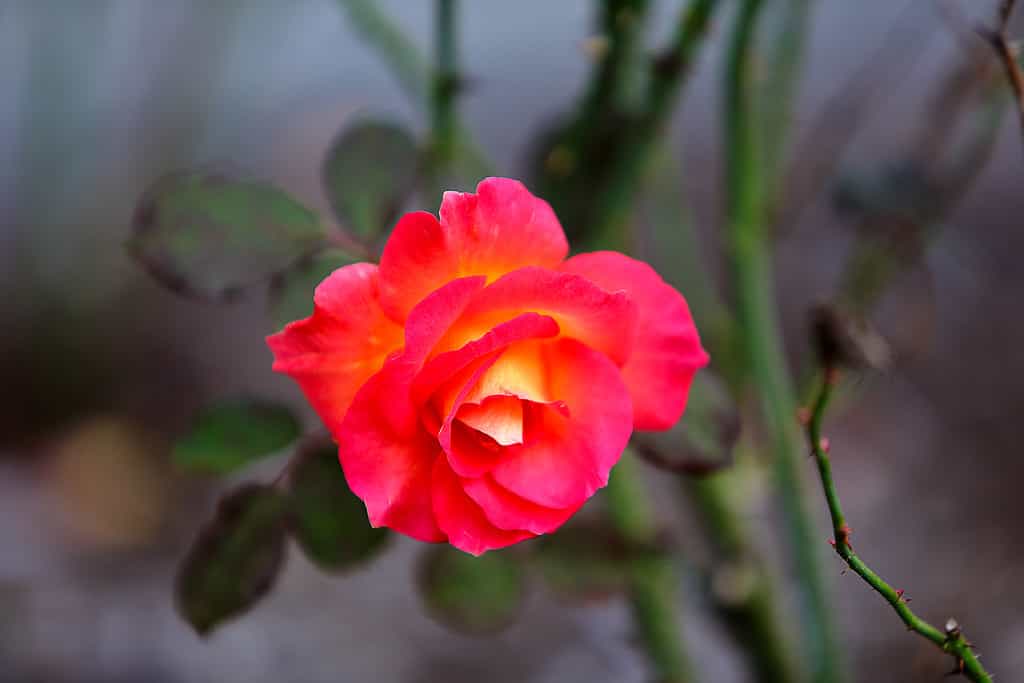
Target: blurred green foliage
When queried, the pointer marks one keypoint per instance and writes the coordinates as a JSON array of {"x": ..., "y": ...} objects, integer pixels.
[
  {"x": 208, "y": 236},
  {"x": 236, "y": 559},
  {"x": 369, "y": 173},
  {"x": 230, "y": 435},
  {"x": 475, "y": 595},
  {"x": 327, "y": 520}
]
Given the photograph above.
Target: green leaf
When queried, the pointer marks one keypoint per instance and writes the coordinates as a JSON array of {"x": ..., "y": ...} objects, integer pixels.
[
  {"x": 291, "y": 296},
  {"x": 206, "y": 236},
  {"x": 469, "y": 594},
  {"x": 369, "y": 172},
  {"x": 583, "y": 562},
  {"x": 235, "y": 560},
  {"x": 327, "y": 520},
  {"x": 704, "y": 439},
  {"x": 232, "y": 434}
]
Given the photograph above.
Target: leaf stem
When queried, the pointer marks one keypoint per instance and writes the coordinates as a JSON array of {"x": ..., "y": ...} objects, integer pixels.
[
  {"x": 652, "y": 575},
  {"x": 391, "y": 44},
  {"x": 751, "y": 267},
  {"x": 951, "y": 640}
]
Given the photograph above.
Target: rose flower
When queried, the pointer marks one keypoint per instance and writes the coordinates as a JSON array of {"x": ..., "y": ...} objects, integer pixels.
[{"x": 481, "y": 386}]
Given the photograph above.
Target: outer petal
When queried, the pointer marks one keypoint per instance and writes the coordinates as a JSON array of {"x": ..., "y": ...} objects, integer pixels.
[
  {"x": 566, "y": 458},
  {"x": 388, "y": 468},
  {"x": 506, "y": 510},
  {"x": 386, "y": 454},
  {"x": 603, "y": 320},
  {"x": 462, "y": 519},
  {"x": 334, "y": 351},
  {"x": 666, "y": 348},
  {"x": 500, "y": 228}
]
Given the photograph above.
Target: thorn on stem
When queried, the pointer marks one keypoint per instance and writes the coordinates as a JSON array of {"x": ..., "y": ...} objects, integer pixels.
[
  {"x": 843, "y": 535},
  {"x": 824, "y": 444},
  {"x": 958, "y": 668}
]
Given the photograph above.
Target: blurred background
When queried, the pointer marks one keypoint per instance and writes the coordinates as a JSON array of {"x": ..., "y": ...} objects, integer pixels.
[{"x": 101, "y": 368}]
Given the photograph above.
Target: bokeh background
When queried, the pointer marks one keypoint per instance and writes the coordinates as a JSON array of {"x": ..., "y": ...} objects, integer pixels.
[{"x": 100, "y": 367}]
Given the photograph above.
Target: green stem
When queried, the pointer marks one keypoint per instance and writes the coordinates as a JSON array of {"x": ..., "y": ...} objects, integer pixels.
[
  {"x": 749, "y": 608},
  {"x": 667, "y": 78},
  {"x": 950, "y": 641},
  {"x": 652, "y": 575},
  {"x": 785, "y": 47},
  {"x": 621, "y": 25},
  {"x": 445, "y": 82},
  {"x": 407, "y": 64},
  {"x": 751, "y": 267}
]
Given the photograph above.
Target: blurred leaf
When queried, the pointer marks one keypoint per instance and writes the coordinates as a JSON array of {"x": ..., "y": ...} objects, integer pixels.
[
  {"x": 327, "y": 520},
  {"x": 236, "y": 559},
  {"x": 206, "y": 236},
  {"x": 233, "y": 434},
  {"x": 292, "y": 293},
  {"x": 703, "y": 440},
  {"x": 369, "y": 172},
  {"x": 583, "y": 562},
  {"x": 475, "y": 595}
]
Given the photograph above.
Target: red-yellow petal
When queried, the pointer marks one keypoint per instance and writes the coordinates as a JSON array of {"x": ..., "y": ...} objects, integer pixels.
[
  {"x": 499, "y": 229},
  {"x": 666, "y": 348},
  {"x": 568, "y": 456},
  {"x": 499, "y": 417},
  {"x": 584, "y": 311},
  {"x": 334, "y": 351},
  {"x": 387, "y": 455},
  {"x": 462, "y": 519}
]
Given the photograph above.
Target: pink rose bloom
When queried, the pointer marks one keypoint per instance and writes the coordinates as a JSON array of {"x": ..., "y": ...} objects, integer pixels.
[{"x": 481, "y": 386}]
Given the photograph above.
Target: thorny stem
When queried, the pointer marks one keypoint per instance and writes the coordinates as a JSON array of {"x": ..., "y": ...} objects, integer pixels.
[
  {"x": 751, "y": 266},
  {"x": 652, "y": 575},
  {"x": 951, "y": 640},
  {"x": 668, "y": 74}
]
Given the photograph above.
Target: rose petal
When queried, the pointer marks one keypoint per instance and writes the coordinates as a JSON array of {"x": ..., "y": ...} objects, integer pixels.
[
  {"x": 519, "y": 372},
  {"x": 385, "y": 452},
  {"x": 440, "y": 369},
  {"x": 462, "y": 519},
  {"x": 567, "y": 458},
  {"x": 334, "y": 351},
  {"x": 506, "y": 510},
  {"x": 500, "y": 228},
  {"x": 666, "y": 348},
  {"x": 499, "y": 417},
  {"x": 388, "y": 468},
  {"x": 466, "y": 455},
  {"x": 470, "y": 453},
  {"x": 603, "y": 320}
]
